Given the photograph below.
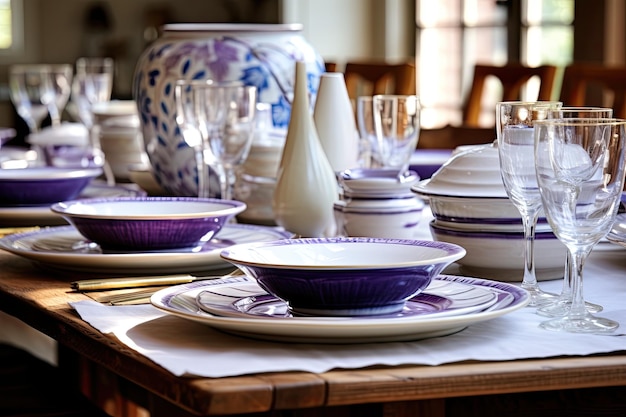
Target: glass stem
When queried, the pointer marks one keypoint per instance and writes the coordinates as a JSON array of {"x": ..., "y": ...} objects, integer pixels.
[
  {"x": 578, "y": 309},
  {"x": 203, "y": 191},
  {"x": 227, "y": 183},
  {"x": 566, "y": 291},
  {"x": 530, "y": 223}
]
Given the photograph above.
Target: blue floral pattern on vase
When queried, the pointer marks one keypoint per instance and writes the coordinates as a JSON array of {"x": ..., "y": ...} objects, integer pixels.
[{"x": 264, "y": 59}]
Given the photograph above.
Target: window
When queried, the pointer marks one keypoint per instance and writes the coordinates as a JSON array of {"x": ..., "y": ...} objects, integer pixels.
[
  {"x": 10, "y": 26},
  {"x": 453, "y": 35}
]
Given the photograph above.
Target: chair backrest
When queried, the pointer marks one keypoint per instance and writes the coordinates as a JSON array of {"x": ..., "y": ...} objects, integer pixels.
[
  {"x": 369, "y": 78},
  {"x": 579, "y": 81},
  {"x": 513, "y": 77},
  {"x": 330, "y": 66}
]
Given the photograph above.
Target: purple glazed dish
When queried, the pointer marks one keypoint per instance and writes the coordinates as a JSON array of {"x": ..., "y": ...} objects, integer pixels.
[
  {"x": 343, "y": 276},
  {"x": 43, "y": 186},
  {"x": 148, "y": 223}
]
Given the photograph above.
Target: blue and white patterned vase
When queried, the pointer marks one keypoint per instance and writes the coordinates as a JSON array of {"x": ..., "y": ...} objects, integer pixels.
[{"x": 262, "y": 55}]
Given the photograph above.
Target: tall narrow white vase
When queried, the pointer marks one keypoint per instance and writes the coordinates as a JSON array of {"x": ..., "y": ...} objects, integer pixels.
[
  {"x": 306, "y": 187},
  {"x": 335, "y": 122}
]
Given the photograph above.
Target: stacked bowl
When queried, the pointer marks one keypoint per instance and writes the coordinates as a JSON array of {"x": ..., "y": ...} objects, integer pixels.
[
  {"x": 471, "y": 209},
  {"x": 120, "y": 136},
  {"x": 378, "y": 203}
]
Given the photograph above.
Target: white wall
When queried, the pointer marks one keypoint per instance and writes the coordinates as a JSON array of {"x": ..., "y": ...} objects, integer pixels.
[{"x": 355, "y": 29}]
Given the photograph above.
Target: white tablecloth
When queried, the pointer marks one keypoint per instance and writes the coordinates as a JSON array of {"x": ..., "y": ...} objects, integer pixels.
[{"x": 188, "y": 348}]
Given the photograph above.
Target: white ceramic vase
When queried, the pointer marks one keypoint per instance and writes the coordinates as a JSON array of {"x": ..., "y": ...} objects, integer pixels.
[
  {"x": 306, "y": 188},
  {"x": 335, "y": 122}
]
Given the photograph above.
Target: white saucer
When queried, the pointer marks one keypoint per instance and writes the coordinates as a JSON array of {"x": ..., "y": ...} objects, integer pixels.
[
  {"x": 180, "y": 300},
  {"x": 42, "y": 216},
  {"x": 441, "y": 298},
  {"x": 64, "y": 248}
]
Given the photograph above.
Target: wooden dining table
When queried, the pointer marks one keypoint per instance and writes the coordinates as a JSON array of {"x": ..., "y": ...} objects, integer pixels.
[{"x": 123, "y": 382}]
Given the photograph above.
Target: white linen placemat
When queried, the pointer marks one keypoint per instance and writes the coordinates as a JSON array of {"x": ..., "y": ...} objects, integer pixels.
[{"x": 188, "y": 348}]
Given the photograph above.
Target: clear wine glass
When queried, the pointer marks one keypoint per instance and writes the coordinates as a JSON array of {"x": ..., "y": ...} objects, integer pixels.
[
  {"x": 516, "y": 150},
  {"x": 189, "y": 127},
  {"x": 61, "y": 78},
  {"x": 397, "y": 127},
  {"x": 226, "y": 116},
  {"x": 93, "y": 83},
  {"x": 580, "y": 172},
  {"x": 368, "y": 148},
  {"x": 560, "y": 305},
  {"x": 31, "y": 93}
]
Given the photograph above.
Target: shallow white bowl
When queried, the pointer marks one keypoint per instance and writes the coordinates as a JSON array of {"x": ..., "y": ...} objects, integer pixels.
[
  {"x": 43, "y": 185},
  {"x": 148, "y": 223},
  {"x": 343, "y": 276},
  {"x": 500, "y": 255}
]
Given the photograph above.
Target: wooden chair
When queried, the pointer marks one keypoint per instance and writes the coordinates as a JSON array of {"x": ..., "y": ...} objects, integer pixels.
[
  {"x": 449, "y": 137},
  {"x": 595, "y": 85},
  {"x": 330, "y": 66},
  {"x": 369, "y": 78},
  {"x": 513, "y": 77}
]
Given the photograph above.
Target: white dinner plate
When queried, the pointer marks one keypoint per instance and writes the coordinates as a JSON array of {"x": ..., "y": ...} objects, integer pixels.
[
  {"x": 64, "y": 248},
  {"x": 42, "y": 216},
  {"x": 180, "y": 300},
  {"x": 249, "y": 300}
]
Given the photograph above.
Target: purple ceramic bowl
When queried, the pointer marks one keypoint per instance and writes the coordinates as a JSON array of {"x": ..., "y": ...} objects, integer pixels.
[
  {"x": 149, "y": 223},
  {"x": 343, "y": 276},
  {"x": 43, "y": 186}
]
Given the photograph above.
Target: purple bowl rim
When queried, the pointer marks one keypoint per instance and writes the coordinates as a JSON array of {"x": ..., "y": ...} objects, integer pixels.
[
  {"x": 495, "y": 234},
  {"x": 418, "y": 191},
  {"x": 81, "y": 173},
  {"x": 234, "y": 208},
  {"x": 453, "y": 252}
]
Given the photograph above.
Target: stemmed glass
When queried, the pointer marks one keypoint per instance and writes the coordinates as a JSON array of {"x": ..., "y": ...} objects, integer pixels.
[
  {"x": 61, "y": 77},
  {"x": 93, "y": 83},
  {"x": 397, "y": 127},
  {"x": 580, "y": 172},
  {"x": 226, "y": 116},
  {"x": 365, "y": 123},
  {"x": 516, "y": 150},
  {"x": 188, "y": 125},
  {"x": 31, "y": 93},
  {"x": 559, "y": 306}
]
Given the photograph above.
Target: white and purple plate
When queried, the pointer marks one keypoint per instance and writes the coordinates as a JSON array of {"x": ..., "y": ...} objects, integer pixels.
[
  {"x": 180, "y": 300},
  {"x": 64, "y": 248},
  {"x": 441, "y": 298}
]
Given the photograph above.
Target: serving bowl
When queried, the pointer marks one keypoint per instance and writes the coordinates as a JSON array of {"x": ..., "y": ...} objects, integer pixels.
[
  {"x": 499, "y": 254},
  {"x": 148, "y": 223},
  {"x": 343, "y": 276},
  {"x": 468, "y": 190},
  {"x": 38, "y": 186}
]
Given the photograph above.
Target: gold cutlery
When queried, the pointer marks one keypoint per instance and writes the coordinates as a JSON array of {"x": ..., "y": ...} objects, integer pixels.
[
  {"x": 136, "y": 290},
  {"x": 137, "y": 296},
  {"x": 100, "y": 284},
  {"x": 5, "y": 231}
]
